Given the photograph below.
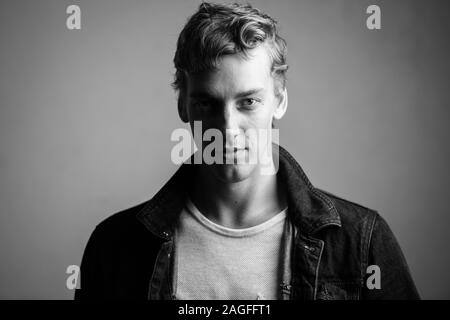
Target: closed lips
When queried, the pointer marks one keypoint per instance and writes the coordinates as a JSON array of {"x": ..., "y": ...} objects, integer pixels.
[{"x": 235, "y": 149}]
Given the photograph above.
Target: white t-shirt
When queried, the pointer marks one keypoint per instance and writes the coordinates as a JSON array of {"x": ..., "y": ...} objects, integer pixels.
[{"x": 216, "y": 262}]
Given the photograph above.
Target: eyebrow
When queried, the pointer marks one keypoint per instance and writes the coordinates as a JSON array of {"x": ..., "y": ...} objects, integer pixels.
[
  {"x": 249, "y": 92},
  {"x": 242, "y": 94}
]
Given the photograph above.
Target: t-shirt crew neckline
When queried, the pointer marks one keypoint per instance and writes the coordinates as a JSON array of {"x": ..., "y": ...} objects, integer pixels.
[{"x": 232, "y": 232}]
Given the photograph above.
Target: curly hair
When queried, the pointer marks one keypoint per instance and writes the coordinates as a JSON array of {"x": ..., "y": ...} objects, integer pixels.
[{"x": 216, "y": 30}]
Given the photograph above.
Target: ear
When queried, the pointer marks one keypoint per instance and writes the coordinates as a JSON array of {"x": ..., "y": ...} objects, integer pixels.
[
  {"x": 282, "y": 105},
  {"x": 182, "y": 111}
]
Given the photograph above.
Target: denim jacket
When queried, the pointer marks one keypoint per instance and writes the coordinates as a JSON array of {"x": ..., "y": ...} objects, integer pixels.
[{"x": 328, "y": 246}]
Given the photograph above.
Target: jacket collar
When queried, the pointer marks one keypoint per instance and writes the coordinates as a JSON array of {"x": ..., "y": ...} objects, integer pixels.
[{"x": 309, "y": 209}]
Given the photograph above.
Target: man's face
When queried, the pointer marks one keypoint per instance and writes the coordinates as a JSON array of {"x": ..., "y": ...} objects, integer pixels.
[{"x": 236, "y": 96}]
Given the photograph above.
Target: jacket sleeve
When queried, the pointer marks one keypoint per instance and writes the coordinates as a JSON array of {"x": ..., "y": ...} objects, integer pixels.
[
  {"x": 396, "y": 282},
  {"x": 91, "y": 272}
]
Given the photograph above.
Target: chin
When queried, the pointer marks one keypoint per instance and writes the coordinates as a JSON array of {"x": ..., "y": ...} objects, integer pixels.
[{"x": 232, "y": 173}]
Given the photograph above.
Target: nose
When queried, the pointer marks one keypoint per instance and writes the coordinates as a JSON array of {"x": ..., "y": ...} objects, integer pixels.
[
  {"x": 231, "y": 126},
  {"x": 230, "y": 117}
]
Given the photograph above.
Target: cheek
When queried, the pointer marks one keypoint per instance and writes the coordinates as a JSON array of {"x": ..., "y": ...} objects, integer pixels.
[{"x": 263, "y": 118}]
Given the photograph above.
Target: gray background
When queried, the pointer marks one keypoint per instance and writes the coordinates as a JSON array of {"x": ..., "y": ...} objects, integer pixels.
[{"x": 86, "y": 118}]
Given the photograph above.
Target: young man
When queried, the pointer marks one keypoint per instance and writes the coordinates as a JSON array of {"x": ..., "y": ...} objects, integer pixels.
[{"x": 234, "y": 228}]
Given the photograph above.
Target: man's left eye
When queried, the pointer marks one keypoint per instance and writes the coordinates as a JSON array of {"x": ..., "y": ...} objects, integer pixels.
[{"x": 250, "y": 102}]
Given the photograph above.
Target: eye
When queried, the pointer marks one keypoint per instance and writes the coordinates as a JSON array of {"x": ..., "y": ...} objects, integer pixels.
[
  {"x": 202, "y": 104},
  {"x": 249, "y": 102}
]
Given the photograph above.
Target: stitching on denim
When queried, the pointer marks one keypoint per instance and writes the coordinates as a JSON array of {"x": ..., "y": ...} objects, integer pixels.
[
  {"x": 288, "y": 247},
  {"x": 317, "y": 226},
  {"x": 329, "y": 194},
  {"x": 375, "y": 216},
  {"x": 362, "y": 248},
  {"x": 169, "y": 258},
  {"x": 285, "y": 290},
  {"x": 316, "y": 281},
  {"x": 174, "y": 256},
  {"x": 156, "y": 268},
  {"x": 326, "y": 293}
]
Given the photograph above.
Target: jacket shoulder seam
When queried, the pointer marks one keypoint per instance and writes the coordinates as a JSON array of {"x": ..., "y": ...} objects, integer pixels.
[{"x": 331, "y": 195}]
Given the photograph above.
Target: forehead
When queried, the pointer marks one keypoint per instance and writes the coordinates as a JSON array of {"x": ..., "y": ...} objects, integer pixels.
[{"x": 234, "y": 73}]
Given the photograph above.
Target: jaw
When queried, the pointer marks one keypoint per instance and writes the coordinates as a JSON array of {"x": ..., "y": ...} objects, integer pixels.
[{"x": 230, "y": 173}]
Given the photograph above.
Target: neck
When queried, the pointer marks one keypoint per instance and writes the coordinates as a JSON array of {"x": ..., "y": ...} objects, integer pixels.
[{"x": 239, "y": 204}]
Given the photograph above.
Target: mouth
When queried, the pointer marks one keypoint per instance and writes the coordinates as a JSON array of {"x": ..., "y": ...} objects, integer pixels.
[
  {"x": 231, "y": 155},
  {"x": 230, "y": 150}
]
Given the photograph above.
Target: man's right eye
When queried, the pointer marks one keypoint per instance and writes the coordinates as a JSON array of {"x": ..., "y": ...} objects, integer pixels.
[{"x": 202, "y": 105}]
